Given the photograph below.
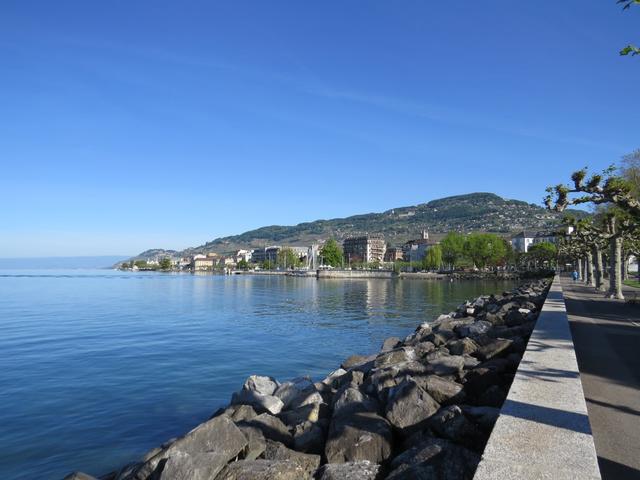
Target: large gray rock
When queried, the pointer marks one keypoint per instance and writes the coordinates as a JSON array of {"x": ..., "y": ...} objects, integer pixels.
[
  {"x": 277, "y": 451},
  {"x": 450, "y": 423},
  {"x": 310, "y": 412},
  {"x": 261, "y": 384},
  {"x": 462, "y": 346},
  {"x": 238, "y": 413},
  {"x": 409, "y": 406},
  {"x": 442, "y": 391},
  {"x": 219, "y": 435},
  {"x": 259, "y": 401},
  {"x": 271, "y": 427},
  {"x": 363, "y": 470},
  {"x": 264, "y": 470},
  {"x": 479, "y": 327},
  {"x": 480, "y": 379},
  {"x": 256, "y": 441},
  {"x": 496, "y": 347},
  {"x": 447, "y": 365},
  {"x": 350, "y": 400},
  {"x": 382, "y": 379},
  {"x": 362, "y": 436},
  {"x": 357, "y": 361},
  {"x": 419, "y": 334},
  {"x": 199, "y": 466},
  {"x": 390, "y": 343},
  {"x": 291, "y": 389},
  {"x": 392, "y": 357},
  {"x": 484, "y": 417},
  {"x": 434, "y": 459},
  {"x": 309, "y": 437},
  {"x": 79, "y": 476},
  {"x": 334, "y": 378}
]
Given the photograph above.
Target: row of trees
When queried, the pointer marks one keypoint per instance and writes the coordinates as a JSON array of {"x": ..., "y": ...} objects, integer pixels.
[
  {"x": 602, "y": 243},
  {"x": 479, "y": 250}
]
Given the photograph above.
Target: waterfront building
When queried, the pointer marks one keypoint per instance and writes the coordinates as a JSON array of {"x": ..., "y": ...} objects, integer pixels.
[
  {"x": 523, "y": 240},
  {"x": 393, "y": 254},
  {"x": 242, "y": 255},
  {"x": 416, "y": 250},
  {"x": 202, "y": 263},
  {"x": 366, "y": 248},
  {"x": 260, "y": 255}
]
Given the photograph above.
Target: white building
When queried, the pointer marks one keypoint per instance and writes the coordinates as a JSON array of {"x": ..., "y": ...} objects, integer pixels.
[{"x": 523, "y": 240}]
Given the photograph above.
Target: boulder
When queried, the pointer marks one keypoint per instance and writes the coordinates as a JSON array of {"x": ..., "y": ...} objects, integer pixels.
[
  {"x": 356, "y": 360},
  {"x": 256, "y": 442},
  {"x": 494, "y": 348},
  {"x": 362, "y": 436},
  {"x": 334, "y": 378},
  {"x": 493, "y": 396},
  {"x": 218, "y": 435},
  {"x": 451, "y": 423},
  {"x": 462, "y": 346},
  {"x": 409, "y": 406},
  {"x": 238, "y": 413},
  {"x": 199, "y": 466},
  {"x": 79, "y": 476},
  {"x": 277, "y": 451},
  {"x": 392, "y": 357},
  {"x": 363, "y": 470},
  {"x": 310, "y": 412},
  {"x": 382, "y": 379},
  {"x": 479, "y": 327},
  {"x": 264, "y": 470},
  {"x": 390, "y": 343},
  {"x": 442, "y": 391},
  {"x": 422, "y": 349},
  {"x": 309, "y": 437},
  {"x": 484, "y": 417},
  {"x": 289, "y": 390},
  {"x": 480, "y": 379},
  {"x": 271, "y": 427},
  {"x": 350, "y": 400},
  {"x": 435, "y": 458},
  {"x": 419, "y": 334},
  {"x": 261, "y": 384},
  {"x": 259, "y": 401},
  {"x": 446, "y": 365}
]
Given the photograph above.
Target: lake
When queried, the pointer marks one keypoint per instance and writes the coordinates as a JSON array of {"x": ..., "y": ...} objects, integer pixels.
[{"x": 99, "y": 366}]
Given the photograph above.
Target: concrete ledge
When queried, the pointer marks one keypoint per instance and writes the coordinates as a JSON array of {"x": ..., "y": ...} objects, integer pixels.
[{"x": 543, "y": 430}]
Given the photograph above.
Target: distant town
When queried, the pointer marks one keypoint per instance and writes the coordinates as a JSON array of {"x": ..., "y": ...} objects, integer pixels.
[{"x": 455, "y": 250}]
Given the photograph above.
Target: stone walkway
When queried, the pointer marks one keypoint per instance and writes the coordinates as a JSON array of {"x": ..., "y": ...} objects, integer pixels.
[{"x": 606, "y": 335}]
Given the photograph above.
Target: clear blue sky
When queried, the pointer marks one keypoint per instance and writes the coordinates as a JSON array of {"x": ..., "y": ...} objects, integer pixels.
[{"x": 126, "y": 125}]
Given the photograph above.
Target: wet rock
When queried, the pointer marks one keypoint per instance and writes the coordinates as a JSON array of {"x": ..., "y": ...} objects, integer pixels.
[
  {"x": 277, "y": 451},
  {"x": 271, "y": 427},
  {"x": 363, "y": 470},
  {"x": 264, "y": 470},
  {"x": 362, "y": 436},
  {"x": 409, "y": 406},
  {"x": 199, "y": 466}
]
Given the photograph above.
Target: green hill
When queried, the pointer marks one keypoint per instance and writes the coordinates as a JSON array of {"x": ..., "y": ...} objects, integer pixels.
[{"x": 462, "y": 213}]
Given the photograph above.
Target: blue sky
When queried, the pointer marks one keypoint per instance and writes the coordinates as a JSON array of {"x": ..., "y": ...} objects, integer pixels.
[{"x": 128, "y": 125}]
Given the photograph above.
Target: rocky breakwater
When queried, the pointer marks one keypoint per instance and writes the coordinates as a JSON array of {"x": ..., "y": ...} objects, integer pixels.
[{"x": 422, "y": 407}]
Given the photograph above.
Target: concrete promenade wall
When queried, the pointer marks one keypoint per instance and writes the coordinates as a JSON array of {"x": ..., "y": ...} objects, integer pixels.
[
  {"x": 355, "y": 274},
  {"x": 543, "y": 430}
]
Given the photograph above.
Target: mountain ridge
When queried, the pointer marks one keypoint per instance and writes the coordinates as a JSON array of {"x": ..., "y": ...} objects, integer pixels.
[{"x": 479, "y": 211}]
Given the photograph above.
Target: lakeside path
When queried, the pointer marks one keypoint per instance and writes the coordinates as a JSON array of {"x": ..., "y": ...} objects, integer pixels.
[{"x": 606, "y": 334}]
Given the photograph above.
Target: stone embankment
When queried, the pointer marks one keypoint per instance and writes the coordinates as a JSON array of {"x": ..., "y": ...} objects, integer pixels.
[{"x": 422, "y": 407}]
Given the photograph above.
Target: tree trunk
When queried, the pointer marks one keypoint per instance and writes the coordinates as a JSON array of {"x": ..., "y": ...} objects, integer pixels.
[
  {"x": 625, "y": 266},
  {"x": 615, "y": 270},
  {"x": 590, "y": 281},
  {"x": 598, "y": 270},
  {"x": 580, "y": 268}
]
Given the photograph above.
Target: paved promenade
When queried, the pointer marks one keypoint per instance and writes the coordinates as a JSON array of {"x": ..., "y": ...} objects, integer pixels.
[{"x": 606, "y": 335}]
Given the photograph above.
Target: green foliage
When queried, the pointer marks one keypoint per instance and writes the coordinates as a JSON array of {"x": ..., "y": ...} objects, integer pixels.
[
  {"x": 287, "y": 258},
  {"x": 433, "y": 258},
  {"x": 267, "y": 265},
  {"x": 243, "y": 264},
  {"x": 544, "y": 252},
  {"x": 165, "y": 263},
  {"x": 452, "y": 247},
  {"x": 485, "y": 249},
  {"x": 332, "y": 253},
  {"x": 629, "y": 49},
  {"x": 141, "y": 264}
]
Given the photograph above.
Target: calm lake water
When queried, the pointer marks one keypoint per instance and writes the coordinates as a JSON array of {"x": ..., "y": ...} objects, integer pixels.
[{"x": 97, "y": 367}]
